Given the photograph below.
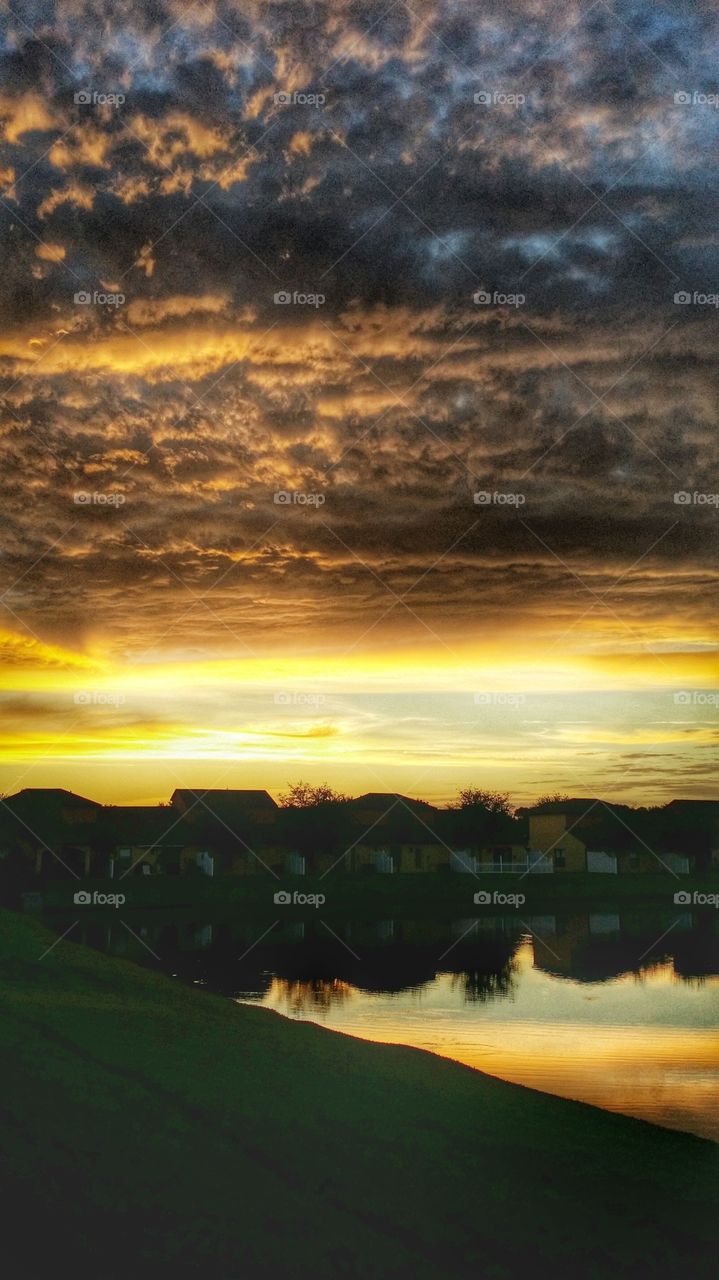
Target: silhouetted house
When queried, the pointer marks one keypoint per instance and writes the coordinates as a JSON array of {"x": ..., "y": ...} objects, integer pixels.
[
  {"x": 378, "y": 805},
  {"x": 143, "y": 840},
  {"x": 47, "y": 832},
  {"x": 693, "y": 826},
  {"x": 257, "y": 806},
  {"x": 388, "y": 832},
  {"x": 314, "y": 838},
  {"x": 586, "y": 834},
  {"x": 50, "y": 828},
  {"x": 239, "y": 830},
  {"x": 485, "y": 842}
]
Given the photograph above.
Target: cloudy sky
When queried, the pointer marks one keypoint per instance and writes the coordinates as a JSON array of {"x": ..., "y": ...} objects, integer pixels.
[{"x": 359, "y": 396}]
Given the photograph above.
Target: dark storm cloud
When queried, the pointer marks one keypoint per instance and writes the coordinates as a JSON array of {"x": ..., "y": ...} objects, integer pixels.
[{"x": 199, "y": 197}]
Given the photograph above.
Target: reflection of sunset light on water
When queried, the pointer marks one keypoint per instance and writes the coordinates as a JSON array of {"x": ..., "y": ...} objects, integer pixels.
[
  {"x": 307, "y": 996},
  {"x": 619, "y": 1044}
]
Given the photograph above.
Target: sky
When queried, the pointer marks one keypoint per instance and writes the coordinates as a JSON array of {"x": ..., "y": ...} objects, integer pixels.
[{"x": 358, "y": 397}]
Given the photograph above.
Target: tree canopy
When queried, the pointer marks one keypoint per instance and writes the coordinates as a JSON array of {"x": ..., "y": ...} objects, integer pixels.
[
  {"x": 477, "y": 798},
  {"x": 302, "y": 795}
]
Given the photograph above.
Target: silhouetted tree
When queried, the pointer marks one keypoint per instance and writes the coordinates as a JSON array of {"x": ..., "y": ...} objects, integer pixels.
[
  {"x": 315, "y": 818},
  {"x": 302, "y": 795},
  {"x": 491, "y": 801},
  {"x": 483, "y": 817}
]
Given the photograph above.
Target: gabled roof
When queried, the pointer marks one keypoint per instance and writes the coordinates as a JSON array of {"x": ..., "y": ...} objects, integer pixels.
[
  {"x": 575, "y": 806},
  {"x": 398, "y": 820},
  {"x": 47, "y": 815},
  {"x": 144, "y": 824},
  {"x": 49, "y": 796},
  {"x": 222, "y": 799},
  {"x": 693, "y": 806},
  {"x": 385, "y": 800}
]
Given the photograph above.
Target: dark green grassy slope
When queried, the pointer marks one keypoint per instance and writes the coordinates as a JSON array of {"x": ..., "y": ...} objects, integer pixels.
[{"x": 152, "y": 1130}]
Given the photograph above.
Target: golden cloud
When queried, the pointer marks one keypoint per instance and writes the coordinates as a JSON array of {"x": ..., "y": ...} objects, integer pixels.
[{"x": 23, "y": 114}]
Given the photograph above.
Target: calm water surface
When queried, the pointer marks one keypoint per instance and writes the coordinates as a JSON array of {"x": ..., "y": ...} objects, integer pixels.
[
  {"x": 644, "y": 1044},
  {"x": 618, "y": 1011}
]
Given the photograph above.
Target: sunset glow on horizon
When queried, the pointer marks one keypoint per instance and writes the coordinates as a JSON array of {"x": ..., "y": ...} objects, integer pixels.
[{"x": 359, "y": 402}]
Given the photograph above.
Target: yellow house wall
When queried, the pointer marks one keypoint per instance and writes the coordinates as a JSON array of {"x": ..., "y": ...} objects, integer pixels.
[
  {"x": 430, "y": 856},
  {"x": 548, "y": 831}
]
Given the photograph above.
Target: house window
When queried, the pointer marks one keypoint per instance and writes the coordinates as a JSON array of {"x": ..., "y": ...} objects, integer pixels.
[{"x": 559, "y": 858}]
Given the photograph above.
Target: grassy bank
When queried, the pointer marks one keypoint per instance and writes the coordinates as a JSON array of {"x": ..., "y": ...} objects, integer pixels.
[
  {"x": 152, "y": 1130},
  {"x": 394, "y": 895}
]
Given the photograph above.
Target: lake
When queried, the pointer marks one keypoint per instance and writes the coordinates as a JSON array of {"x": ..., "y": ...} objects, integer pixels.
[{"x": 618, "y": 1010}]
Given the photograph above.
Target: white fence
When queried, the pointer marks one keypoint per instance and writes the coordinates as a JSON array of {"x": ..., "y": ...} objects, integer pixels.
[
  {"x": 604, "y": 863},
  {"x": 502, "y": 865},
  {"x": 676, "y": 862},
  {"x": 383, "y": 862}
]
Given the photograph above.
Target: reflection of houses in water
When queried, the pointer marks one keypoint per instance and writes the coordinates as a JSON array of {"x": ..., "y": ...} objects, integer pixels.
[
  {"x": 696, "y": 952},
  {"x": 603, "y": 945},
  {"x": 302, "y": 996},
  {"x": 590, "y": 948},
  {"x": 480, "y": 986},
  {"x": 390, "y": 956},
  {"x": 393, "y": 955},
  {"x": 604, "y": 923},
  {"x": 575, "y": 835},
  {"x": 481, "y": 956}
]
